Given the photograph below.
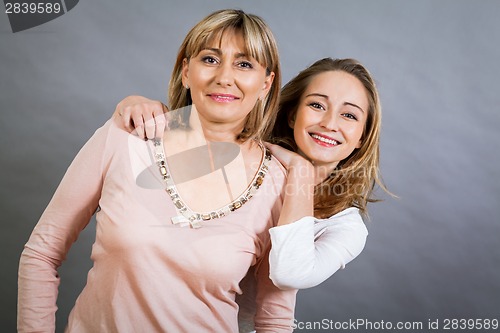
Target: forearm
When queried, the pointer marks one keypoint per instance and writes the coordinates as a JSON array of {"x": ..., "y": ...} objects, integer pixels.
[
  {"x": 275, "y": 308},
  {"x": 302, "y": 258},
  {"x": 299, "y": 194},
  {"x": 38, "y": 284}
]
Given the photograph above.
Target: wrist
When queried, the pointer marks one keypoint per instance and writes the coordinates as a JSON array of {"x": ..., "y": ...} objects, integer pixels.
[
  {"x": 301, "y": 167},
  {"x": 301, "y": 177}
]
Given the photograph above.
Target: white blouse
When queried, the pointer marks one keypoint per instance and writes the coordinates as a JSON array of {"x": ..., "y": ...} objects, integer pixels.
[{"x": 307, "y": 252}]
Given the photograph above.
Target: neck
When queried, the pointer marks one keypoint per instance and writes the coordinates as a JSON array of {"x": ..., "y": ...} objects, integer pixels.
[
  {"x": 220, "y": 132},
  {"x": 215, "y": 131}
]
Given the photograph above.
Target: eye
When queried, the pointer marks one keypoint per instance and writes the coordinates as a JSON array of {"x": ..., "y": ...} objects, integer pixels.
[
  {"x": 245, "y": 64},
  {"x": 350, "y": 116},
  {"x": 317, "y": 106},
  {"x": 209, "y": 60}
]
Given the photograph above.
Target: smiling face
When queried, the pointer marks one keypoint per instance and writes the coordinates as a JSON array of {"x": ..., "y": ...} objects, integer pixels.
[
  {"x": 330, "y": 118},
  {"x": 225, "y": 82}
]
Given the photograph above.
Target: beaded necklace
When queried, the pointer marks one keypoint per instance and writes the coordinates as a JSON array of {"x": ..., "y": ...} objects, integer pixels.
[{"x": 187, "y": 215}]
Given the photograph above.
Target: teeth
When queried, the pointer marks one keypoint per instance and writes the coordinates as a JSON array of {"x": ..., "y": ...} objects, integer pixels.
[
  {"x": 322, "y": 139},
  {"x": 224, "y": 97}
]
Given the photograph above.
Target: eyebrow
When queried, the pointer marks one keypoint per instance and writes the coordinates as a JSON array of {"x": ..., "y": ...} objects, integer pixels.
[
  {"x": 219, "y": 52},
  {"x": 327, "y": 98}
]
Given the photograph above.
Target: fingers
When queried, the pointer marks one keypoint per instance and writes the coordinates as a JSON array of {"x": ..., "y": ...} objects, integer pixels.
[
  {"x": 278, "y": 150},
  {"x": 123, "y": 116},
  {"x": 283, "y": 155},
  {"x": 142, "y": 115},
  {"x": 149, "y": 125},
  {"x": 287, "y": 157},
  {"x": 136, "y": 115},
  {"x": 160, "y": 121},
  {"x": 154, "y": 120}
]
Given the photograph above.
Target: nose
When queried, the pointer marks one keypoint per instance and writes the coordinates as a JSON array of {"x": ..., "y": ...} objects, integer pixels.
[
  {"x": 330, "y": 121},
  {"x": 225, "y": 75}
]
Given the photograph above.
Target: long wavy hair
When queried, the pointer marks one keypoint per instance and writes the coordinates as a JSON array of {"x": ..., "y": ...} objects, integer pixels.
[
  {"x": 259, "y": 44},
  {"x": 352, "y": 182}
]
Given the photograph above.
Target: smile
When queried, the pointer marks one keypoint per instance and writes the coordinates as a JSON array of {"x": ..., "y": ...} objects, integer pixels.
[
  {"x": 223, "y": 97},
  {"x": 324, "y": 140}
]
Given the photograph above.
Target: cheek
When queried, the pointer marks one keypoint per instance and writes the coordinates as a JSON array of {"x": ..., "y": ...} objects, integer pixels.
[
  {"x": 251, "y": 85},
  {"x": 303, "y": 118},
  {"x": 356, "y": 131},
  {"x": 356, "y": 136},
  {"x": 199, "y": 78},
  {"x": 199, "y": 75}
]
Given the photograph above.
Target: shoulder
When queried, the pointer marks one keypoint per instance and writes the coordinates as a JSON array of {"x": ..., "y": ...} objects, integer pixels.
[
  {"x": 112, "y": 143},
  {"x": 276, "y": 171},
  {"x": 109, "y": 130},
  {"x": 277, "y": 166},
  {"x": 114, "y": 137}
]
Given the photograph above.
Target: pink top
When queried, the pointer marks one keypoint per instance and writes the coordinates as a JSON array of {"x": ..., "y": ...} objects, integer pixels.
[{"x": 149, "y": 275}]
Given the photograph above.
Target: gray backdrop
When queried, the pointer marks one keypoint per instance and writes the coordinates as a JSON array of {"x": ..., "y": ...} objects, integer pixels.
[{"x": 431, "y": 254}]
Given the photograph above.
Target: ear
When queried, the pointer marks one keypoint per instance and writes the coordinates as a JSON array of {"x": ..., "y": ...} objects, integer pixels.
[
  {"x": 185, "y": 70},
  {"x": 291, "y": 121},
  {"x": 268, "y": 83},
  {"x": 360, "y": 143}
]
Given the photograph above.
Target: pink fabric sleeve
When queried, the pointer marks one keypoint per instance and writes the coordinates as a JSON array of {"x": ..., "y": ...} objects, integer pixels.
[
  {"x": 68, "y": 213},
  {"x": 275, "y": 308}
]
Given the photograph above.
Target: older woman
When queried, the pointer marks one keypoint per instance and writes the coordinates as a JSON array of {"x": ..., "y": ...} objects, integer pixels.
[{"x": 151, "y": 273}]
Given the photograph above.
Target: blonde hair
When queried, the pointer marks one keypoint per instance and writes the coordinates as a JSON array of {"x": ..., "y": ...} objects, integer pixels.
[
  {"x": 259, "y": 44},
  {"x": 353, "y": 180}
]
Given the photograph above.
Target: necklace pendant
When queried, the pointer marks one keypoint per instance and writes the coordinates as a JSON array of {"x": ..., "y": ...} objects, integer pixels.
[
  {"x": 183, "y": 221},
  {"x": 195, "y": 224},
  {"x": 179, "y": 219}
]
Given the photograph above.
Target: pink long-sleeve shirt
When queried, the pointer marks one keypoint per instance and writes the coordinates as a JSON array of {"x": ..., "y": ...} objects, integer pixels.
[{"x": 148, "y": 275}]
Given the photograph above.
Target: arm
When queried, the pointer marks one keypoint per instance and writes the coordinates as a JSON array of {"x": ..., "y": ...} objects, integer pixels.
[
  {"x": 274, "y": 307},
  {"x": 142, "y": 115},
  {"x": 69, "y": 211},
  {"x": 299, "y": 188},
  {"x": 302, "y": 259}
]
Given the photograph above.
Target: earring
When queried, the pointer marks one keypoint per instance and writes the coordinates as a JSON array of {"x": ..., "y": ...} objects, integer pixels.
[{"x": 187, "y": 86}]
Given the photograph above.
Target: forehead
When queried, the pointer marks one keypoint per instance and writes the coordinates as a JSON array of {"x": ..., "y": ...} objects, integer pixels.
[
  {"x": 251, "y": 45},
  {"x": 227, "y": 39},
  {"x": 338, "y": 85}
]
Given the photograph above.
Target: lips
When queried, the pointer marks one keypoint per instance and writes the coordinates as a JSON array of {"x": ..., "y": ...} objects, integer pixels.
[
  {"x": 324, "y": 140},
  {"x": 223, "y": 98}
]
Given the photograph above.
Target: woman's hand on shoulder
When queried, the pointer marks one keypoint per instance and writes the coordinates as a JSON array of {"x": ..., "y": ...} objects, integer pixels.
[
  {"x": 288, "y": 158},
  {"x": 143, "y": 115}
]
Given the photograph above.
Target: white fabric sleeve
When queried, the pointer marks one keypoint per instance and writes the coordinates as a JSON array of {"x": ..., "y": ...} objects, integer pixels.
[{"x": 301, "y": 258}]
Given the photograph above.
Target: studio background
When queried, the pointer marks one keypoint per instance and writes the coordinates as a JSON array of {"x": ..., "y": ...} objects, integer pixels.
[{"x": 431, "y": 254}]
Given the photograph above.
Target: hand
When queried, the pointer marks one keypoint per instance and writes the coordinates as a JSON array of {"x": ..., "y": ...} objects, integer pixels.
[
  {"x": 288, "y": 158},
  {"x": 300, "y": 184},
  {"x": 142, "y": 114}
]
